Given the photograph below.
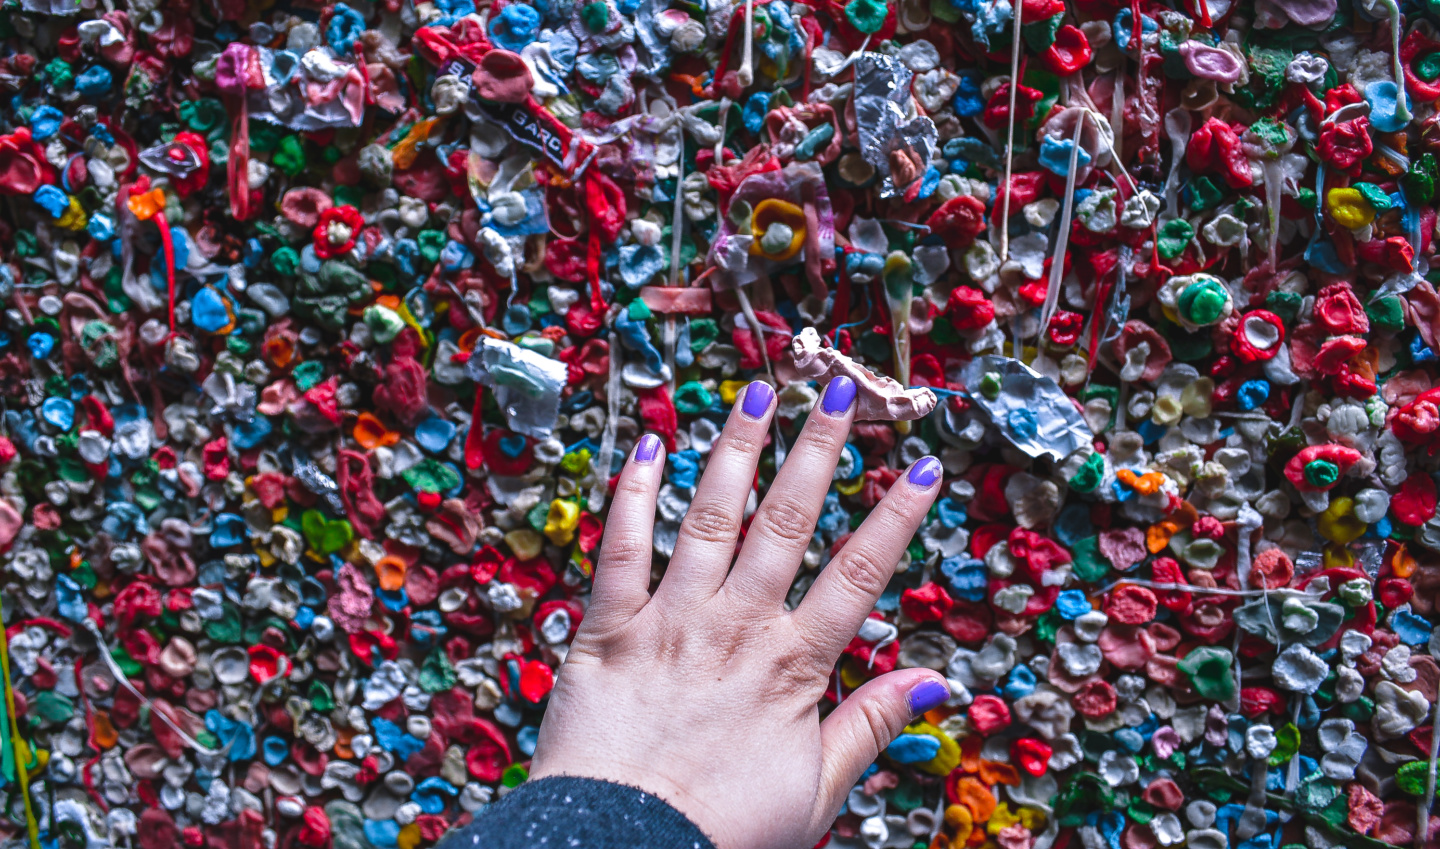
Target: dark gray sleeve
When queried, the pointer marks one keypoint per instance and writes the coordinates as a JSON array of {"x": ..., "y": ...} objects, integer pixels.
[{"x": 578, "y": 813}]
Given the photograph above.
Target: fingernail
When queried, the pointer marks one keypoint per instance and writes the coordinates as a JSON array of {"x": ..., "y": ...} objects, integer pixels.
[
  {"x": 925, "y": 473},
  {"x": 928, "y": 695},
  {"x": 839, "y": 396},
  {"x": 758, "y": 396},
  {"x": 647, "y": 449}
]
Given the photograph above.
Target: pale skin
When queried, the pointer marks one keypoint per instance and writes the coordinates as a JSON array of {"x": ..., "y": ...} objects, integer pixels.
[{"x": 705, "y": 691}]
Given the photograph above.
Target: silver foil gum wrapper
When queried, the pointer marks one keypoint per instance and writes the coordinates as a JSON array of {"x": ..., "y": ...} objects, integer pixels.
[
  {"x": 1031, "y": 410},
  {"x": 888, "y": 127},
  {"x": 174, "y": 159},
  {"x": 527, "y": 384}
]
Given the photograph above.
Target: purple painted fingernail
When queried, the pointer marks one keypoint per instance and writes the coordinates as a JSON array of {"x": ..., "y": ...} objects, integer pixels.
[
  {"x": 928, "y": 695},
  {"x": 839, "y": 396},
  {"x": 647, "y": 449},
  {"x": 925, "y": 472},
  {"x": 758, "y": 396}
]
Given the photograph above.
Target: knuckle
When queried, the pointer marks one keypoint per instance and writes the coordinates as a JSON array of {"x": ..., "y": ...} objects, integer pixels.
[
  {"x": 786, "y": 519},
  {"x": 723, "y": 644},
  {"x": 795, "y": 670},
  {"x": 863, "y": 572},
  {"x": 599, "y": 637},
  {"x": 589, "y": 646},
  {"x": 711, "y": 525},
  {"x": 632, "y": 485},
  {"x": 811, "y": 635},
  {"x": 737, "y": 441},
  {"x": 820, "y": 641},
  {"x": 891, "y": 512},
  {"x": 624, "y": 548},
  {"x": 825, "y": 436},
  {"x": 670, "y": 645},
  {"x": 877, "y": 723},
  {"x": 810, "y": 651}
]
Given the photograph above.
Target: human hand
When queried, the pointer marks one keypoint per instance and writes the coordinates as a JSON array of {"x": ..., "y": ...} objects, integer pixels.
[{"x": 705, "y": 694}]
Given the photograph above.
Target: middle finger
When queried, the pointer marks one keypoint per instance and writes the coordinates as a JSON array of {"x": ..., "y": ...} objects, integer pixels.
[{"x": 785, "y": 521}]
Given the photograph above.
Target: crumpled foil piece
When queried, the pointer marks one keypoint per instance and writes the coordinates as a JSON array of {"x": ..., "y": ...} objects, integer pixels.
[
  {"x": 1031, "y": 411},
  {"x": 312, "y": 478},
  {"x": 880, "y": 398},
  {"x": 175, "y": 159},
  {"x": 51, "y": 7},
  {"x": 882, "y": 92},
  {"x": 654, "y": 56},
  {"x": 527, "y": 384}
]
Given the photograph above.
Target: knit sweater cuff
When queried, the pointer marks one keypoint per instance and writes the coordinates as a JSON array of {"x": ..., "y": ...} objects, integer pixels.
[{"x": 564, "y": 812}]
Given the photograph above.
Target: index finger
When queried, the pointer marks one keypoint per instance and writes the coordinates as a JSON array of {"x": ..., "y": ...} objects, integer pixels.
[{"x": 846, "y": 590}]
